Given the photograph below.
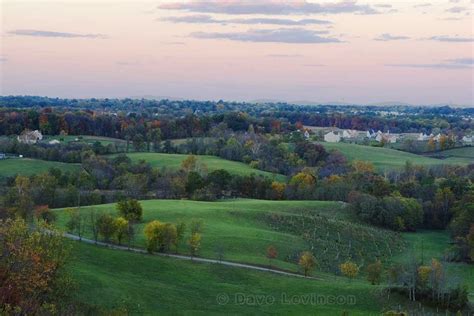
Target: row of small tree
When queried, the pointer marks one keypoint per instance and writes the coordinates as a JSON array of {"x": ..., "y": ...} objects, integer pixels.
[
  {"x": 417, "y": 280},
  {"x": 160, "y": 236},
  {"x": 164, "y": 236},
  {"x": 308, "y": 262},
  {"x": 105, "y": 225}
]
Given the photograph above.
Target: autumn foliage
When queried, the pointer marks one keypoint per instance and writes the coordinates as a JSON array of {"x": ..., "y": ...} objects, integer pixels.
[{"x": 31, "y": 276}]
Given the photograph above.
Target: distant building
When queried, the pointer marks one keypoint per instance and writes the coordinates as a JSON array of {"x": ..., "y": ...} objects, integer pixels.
[
  {"x": 3, "y": 156},
  {"x": 350, "y": 134},
  {"x": 30, "y": 137},
  {"x": 423, "y": 137},
  {"x": 306, "y": 134},
  {"x": 332, "y": 137},
  {"x": 54, "y": 142},
  {"x": 467, "y": 140},
  {"x": 386, "y": 137}
]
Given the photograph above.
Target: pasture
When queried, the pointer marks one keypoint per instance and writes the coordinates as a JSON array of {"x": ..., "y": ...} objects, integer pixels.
[
  {"x": 144, "y": 284},
  {"x": 173, "y": 161},
  {"x": 389, "y": 159},
  {"x": 463, "y": 152},
  {"x": 27, "y": 167},
  {"x": 242, "y": 230}
]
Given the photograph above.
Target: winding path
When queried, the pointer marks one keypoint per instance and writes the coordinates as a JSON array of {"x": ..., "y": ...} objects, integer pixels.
[{"x": 183, "y": 257}]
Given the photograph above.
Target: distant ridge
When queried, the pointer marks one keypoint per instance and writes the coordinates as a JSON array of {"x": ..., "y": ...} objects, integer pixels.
[{"x": 156, "y": 97}]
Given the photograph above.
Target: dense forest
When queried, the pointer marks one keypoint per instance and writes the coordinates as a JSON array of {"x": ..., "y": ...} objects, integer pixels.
[{"x": 111, "y": 117}]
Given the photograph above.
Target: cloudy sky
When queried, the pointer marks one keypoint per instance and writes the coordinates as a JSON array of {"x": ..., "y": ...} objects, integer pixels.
[{"x": 414, "y": 51}]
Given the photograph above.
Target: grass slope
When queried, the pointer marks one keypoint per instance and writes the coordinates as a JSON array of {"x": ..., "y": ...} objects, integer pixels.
[
  {"x": 173, "y": 161},
  {"x": 386, "y": 158},
  {"x": 245, "y": 228},
  {"x": 146, "y": 284},
  {"x": 464, "y": 152},
  {"x": 27, "y": 167}
]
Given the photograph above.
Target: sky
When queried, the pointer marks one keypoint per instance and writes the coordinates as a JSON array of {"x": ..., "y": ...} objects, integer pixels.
[{"x": 364, "y": 52}]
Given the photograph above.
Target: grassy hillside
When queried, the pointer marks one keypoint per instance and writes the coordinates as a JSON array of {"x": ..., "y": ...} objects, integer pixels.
[
  {"x": 386, "y": 158},
  {"x": 173, "y": 161},
  {"x": 244, "y": 229},
  {"x": 146, "y": 284},
  {"x": 464, "y": 152},
  {"x": 26, "y": 166}
]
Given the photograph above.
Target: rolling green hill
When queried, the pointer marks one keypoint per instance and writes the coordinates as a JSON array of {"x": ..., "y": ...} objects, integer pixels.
[
  {"x": 173, "y": 161},
  {"x": 386, "y": 158},
  {"x": 143, "y": 284},
  {"x": 243, "y": 230},
  {"x": 27, "y": 166},
  {"x": 464, "y": 152}
]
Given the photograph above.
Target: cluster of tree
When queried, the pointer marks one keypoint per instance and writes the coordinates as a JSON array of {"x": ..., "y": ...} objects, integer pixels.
[
  {"x": 33, "y": 280},
  {"x": 427, "y": 283},
  {"x": 462, "y": 229},
  {"x": 274, "y": 154},
  {"x": 142, "y": 128},
  {"x": 412, "y": 198},
  {"x": 163, "y": 236},
  {"x": 394, "y": 118},
  {"x": 394, "y": 212},
  {"x": 105, "y": 225},
  {"x": 66, "y": 152}
]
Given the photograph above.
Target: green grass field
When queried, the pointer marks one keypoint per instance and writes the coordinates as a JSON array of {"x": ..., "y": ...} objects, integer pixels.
[
  {"x": 173, "y": 161},
  {"x": 27, "y": 166},
  {"x": 149, "y": 284},
  {"x": 244, "y": 229},
  {"x": 464, "y": 152},
  {"x": 386, "y": 158},
  {"x": 85, "y": 138},
  {"x": 145, "y": 284}
]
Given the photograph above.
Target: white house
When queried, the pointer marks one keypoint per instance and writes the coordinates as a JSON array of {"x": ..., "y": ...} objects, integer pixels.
[
  {"x": 423, "y": 137},
  {"x": 467, "y": 140},
  {"x": 386, "y": 137},
  {"x": 350, "y": 134},
  {"x": 306, "y": 134},
  {"x": 30, "y": 137},
  {"x": 54, "y": 142},
  {"x": 332, "y": 137}
]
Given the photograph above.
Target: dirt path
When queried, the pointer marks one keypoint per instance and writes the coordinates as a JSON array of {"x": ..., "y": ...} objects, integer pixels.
[{"x": 183, "y": 257}]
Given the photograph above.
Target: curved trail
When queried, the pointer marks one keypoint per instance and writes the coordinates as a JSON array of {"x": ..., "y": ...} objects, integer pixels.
[{"x": 183, "y": 257}]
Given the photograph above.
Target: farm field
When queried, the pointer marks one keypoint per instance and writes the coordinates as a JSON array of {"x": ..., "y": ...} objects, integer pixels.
[
  {"x": 26, "y": 166},
  {"x": 147, "y": 284},
  {"x": 386, "y": 158},
  {"x": 244, "y": 229},
  {"x": 173, "y": 161}
]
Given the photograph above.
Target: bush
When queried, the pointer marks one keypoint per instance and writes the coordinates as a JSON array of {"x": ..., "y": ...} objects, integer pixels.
[{"x": 130, "y": 209}]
